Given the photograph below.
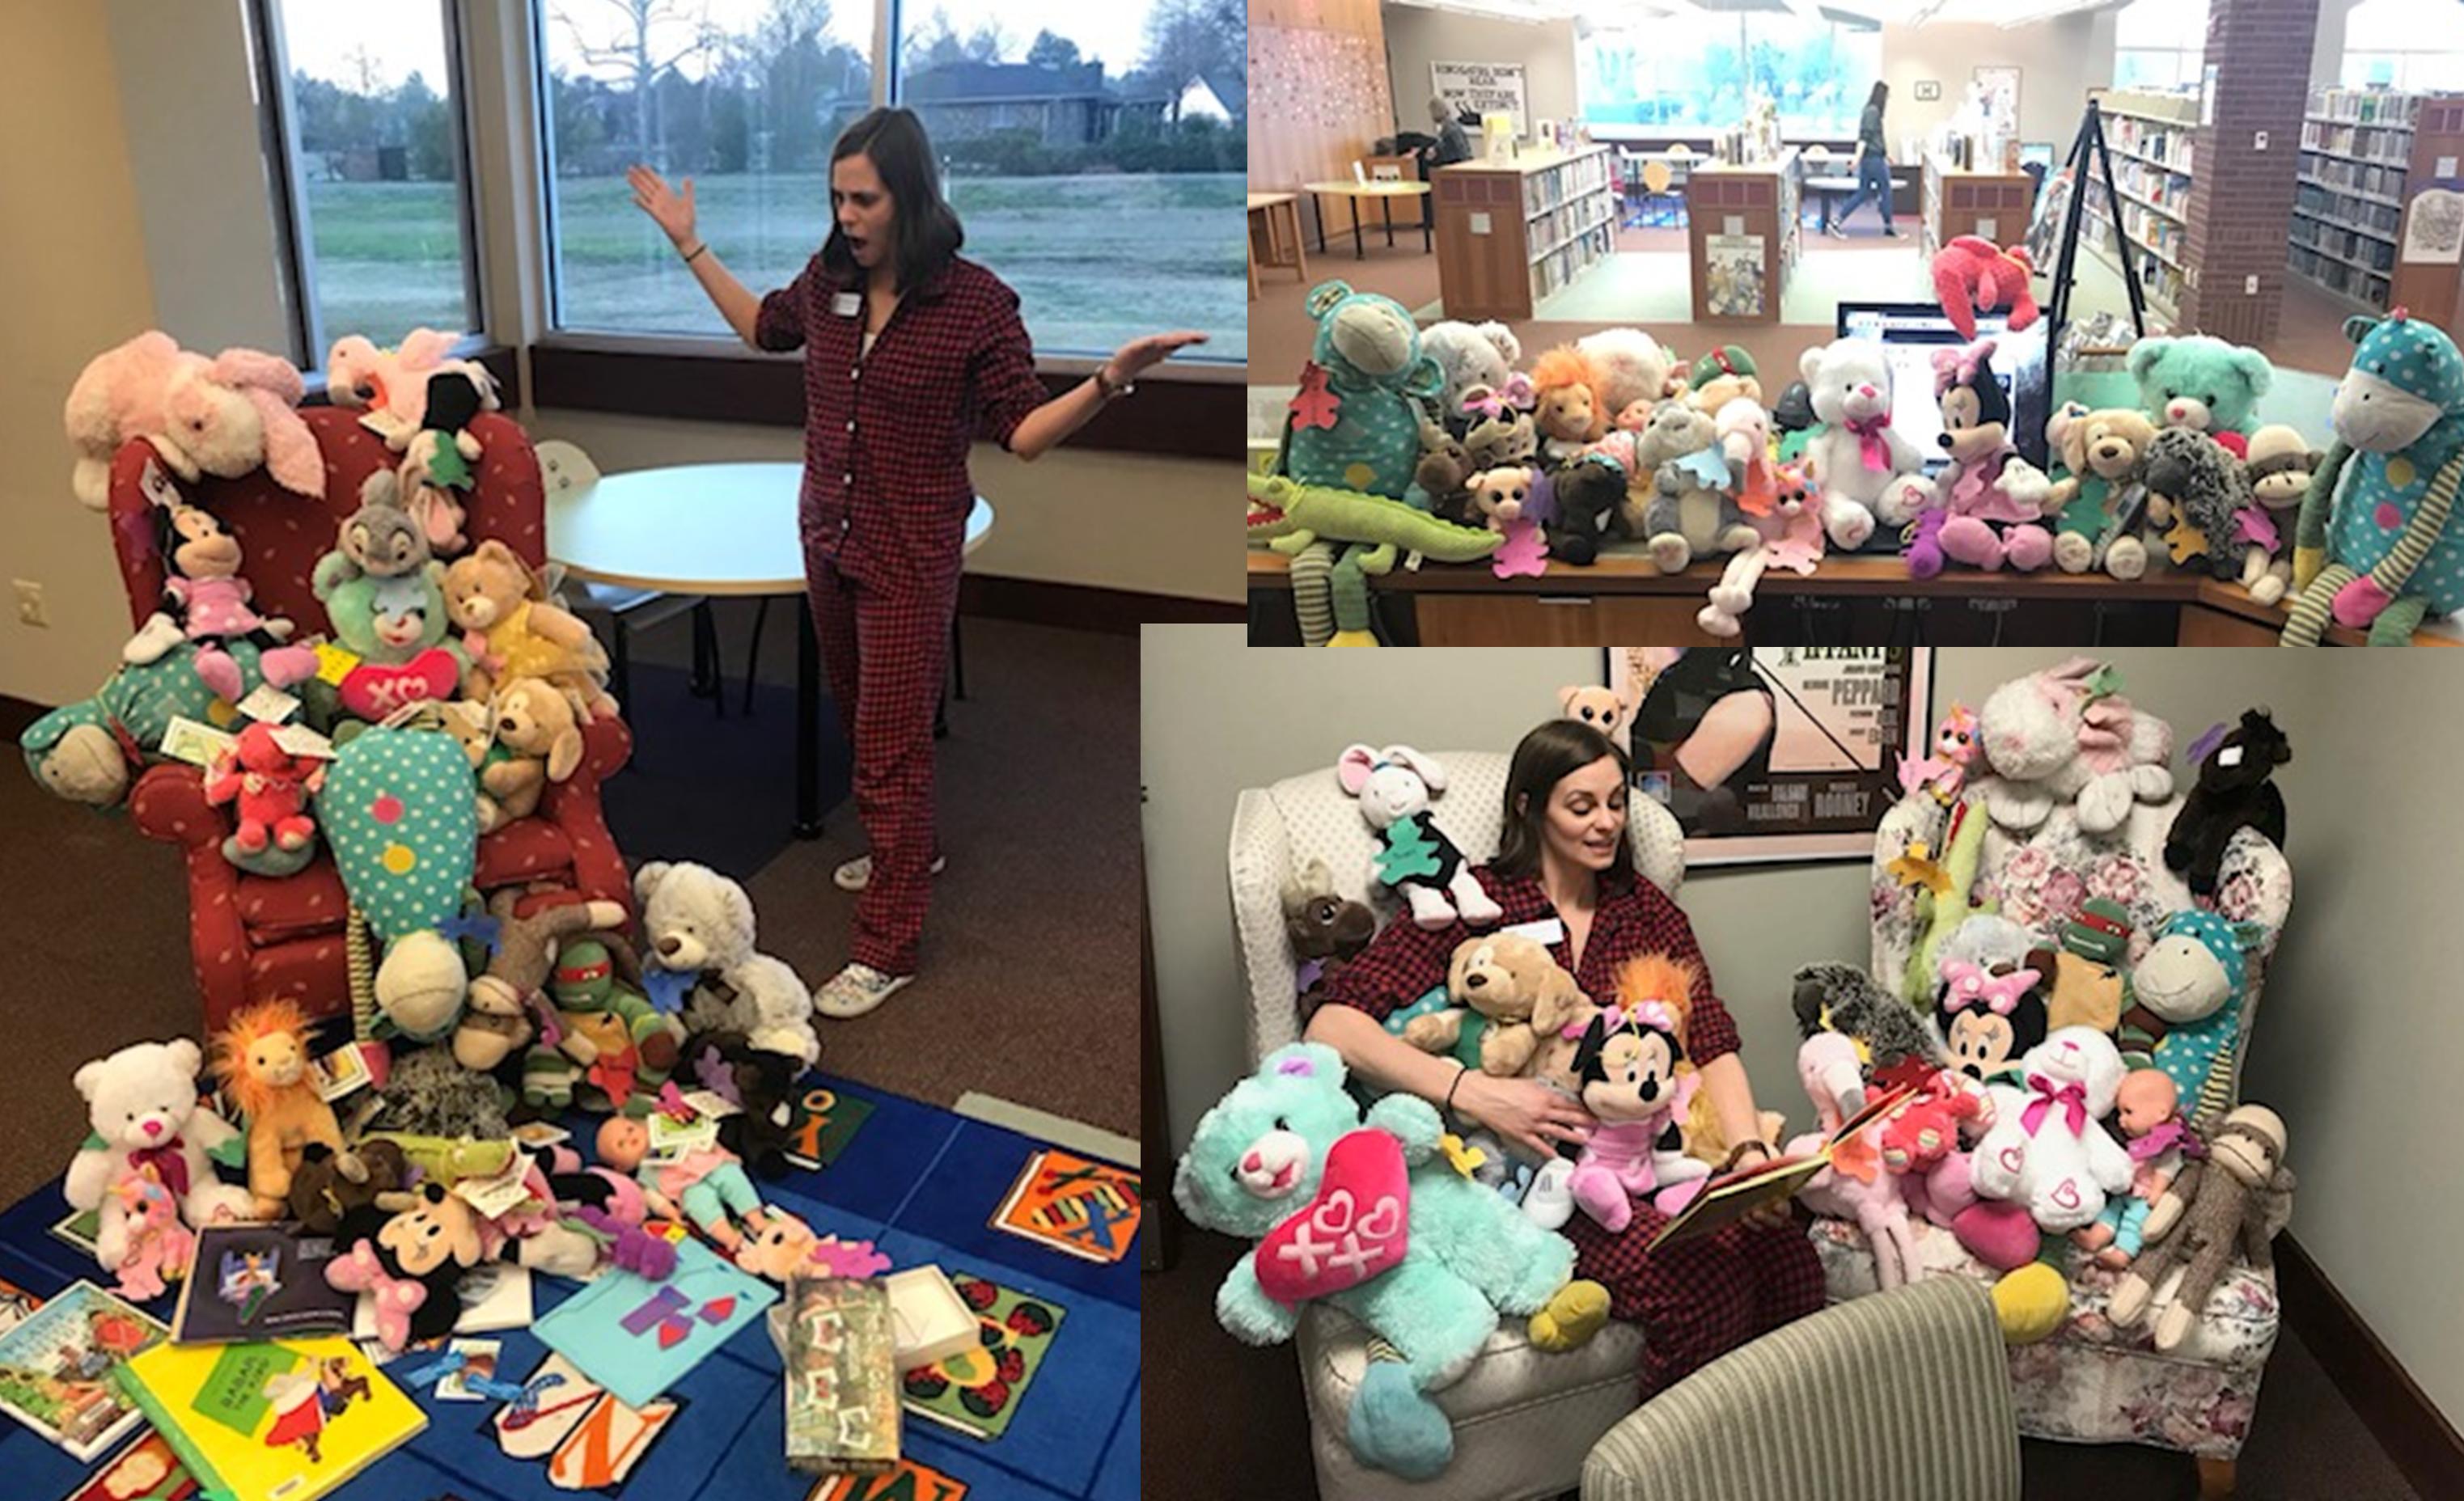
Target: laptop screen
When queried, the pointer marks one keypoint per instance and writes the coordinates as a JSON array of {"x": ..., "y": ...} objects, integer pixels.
[{"x": 1910, "y": 331}]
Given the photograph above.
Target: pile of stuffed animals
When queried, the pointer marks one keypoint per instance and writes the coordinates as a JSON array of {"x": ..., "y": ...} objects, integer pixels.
[
  {"x": 2048, "y": 1096},
  {"x": 452, "y": 695},
  {"x": 1405, "y": 442}
]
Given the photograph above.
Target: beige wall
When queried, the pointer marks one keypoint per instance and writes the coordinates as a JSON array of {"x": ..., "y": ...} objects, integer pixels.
[
  {"x": 2356, "y": 1010},
  {"x": 144, "y": 206},
  {"x": 2059, "y": 60},
  {"x": 1416, "y": 38}
]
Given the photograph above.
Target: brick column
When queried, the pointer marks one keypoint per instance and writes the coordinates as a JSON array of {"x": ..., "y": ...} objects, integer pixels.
[{"x": 2241, "y": 197}]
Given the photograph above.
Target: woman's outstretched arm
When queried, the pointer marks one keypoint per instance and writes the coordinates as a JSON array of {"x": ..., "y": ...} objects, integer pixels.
[
  {"x": 674, "y": 214},
  {"x": 1057, "y": 419}
]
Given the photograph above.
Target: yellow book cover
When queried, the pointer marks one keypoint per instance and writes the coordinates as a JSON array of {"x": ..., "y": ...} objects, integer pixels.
[{"x": 281, "y": 1421}]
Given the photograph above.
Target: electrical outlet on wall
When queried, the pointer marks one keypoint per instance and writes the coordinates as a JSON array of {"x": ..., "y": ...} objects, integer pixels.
[
  {"x": 30, "y": 603},
  {"x": 2250, "y": 285},
  {"x": 2260, "y": 142}
]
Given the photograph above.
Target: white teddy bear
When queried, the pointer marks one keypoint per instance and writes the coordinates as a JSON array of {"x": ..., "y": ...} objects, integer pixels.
[
  {"x": 2048, "y": 1149},
  {"x": 699, "y": 922},
  {"x": 143, "y": 1100},
  {"x": 1858, "y": 454}
]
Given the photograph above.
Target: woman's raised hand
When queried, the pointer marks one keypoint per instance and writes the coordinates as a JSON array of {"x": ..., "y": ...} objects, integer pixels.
[
  {"x": 672, "y": 213},
  {"x": 1527, "y": 1113},
  {"x": 1139, "y": 353}
]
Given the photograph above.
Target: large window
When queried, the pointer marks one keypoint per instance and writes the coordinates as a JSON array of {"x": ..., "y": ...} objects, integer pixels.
[
  {"x": 1094, "y": 152},
  {"x": 371, "y": 113},
  {"x": 2160, "y": 44},
  {"x": 1691, "y": 72},
  {"x": 2404, "y": 44}
]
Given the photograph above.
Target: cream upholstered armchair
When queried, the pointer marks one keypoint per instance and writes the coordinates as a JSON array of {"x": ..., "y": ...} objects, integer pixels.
[
  {"x": 1523, "y": 1418},
  {"x": 2092, "y": 1382}
]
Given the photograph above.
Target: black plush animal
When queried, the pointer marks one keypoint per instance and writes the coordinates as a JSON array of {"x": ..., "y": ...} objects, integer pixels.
[
  {"x": 1586, "y": 493},
  {"x": 2233, "y": 792},
  {"x": 762, "y": 1082},
  {"x": 1794, "y": 410},
  {"x": 1842, "y": 998},
  {"x": 2198, "y": 477}
]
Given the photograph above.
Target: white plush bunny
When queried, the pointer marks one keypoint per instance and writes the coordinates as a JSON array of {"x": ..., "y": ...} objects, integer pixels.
[
  {"x": 1414, "y": 855},
  {"x": 2054, "y": 737},
  {"x": 2048, "y": 1149}
]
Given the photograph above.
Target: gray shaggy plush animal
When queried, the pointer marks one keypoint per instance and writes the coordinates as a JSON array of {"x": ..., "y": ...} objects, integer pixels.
[
  {"x": 431, "y": 1095},
  {"x": 2192, "y": 472},
  {"x": 1842, "y": 998}
]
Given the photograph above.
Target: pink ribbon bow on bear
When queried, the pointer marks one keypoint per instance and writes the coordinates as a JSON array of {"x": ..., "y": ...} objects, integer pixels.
[
  {"x": 397, "y": 1299},
  {"x": 2072, "y": 1098}
]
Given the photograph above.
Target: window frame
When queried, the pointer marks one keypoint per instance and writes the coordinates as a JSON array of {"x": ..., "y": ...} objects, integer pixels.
[{"x": 279, "y": 140}]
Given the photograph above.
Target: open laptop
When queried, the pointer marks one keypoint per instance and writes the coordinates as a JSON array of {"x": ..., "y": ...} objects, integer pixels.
[{"x": 1910, "y": 331}]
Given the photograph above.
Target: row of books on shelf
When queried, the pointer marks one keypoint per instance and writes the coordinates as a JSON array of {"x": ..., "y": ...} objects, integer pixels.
[
  {"x": 1560, "y": 225},
  {"x": 2359, "y": 177},
  {"x": 2378, "y": 144},
  {"x": 2169, "y": 191},
  {"x": 1553, "y": 271},
  {"x": 2353, "y": 281},
  {"x": 2159, "y": 280},
  {"x": 2157, "y": 143},
  {"x": 2369, "y": 251},
  {"x": 2381, "y": 107},
  {"x": 2148, "y": 229},
  {"x": 2343, "y": 210},
  {"x": 1566, "y": 181}
]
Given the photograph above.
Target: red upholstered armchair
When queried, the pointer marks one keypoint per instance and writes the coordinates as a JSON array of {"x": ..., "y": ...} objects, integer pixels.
[{"x": 254, "y": 938}]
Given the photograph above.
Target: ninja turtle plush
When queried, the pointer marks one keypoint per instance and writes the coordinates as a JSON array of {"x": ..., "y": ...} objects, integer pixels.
[
  {"x": 2086, "y": 969},
  {"x": 612, "y": 1050},
  {"x": 2390, "y": 550}
]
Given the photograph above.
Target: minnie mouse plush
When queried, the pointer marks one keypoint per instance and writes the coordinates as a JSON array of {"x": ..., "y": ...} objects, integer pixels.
[
  {"x": 1989, "y": 503},
  {"x": 209, "y": 602},
  {"x": 1627, "y": 1067}
]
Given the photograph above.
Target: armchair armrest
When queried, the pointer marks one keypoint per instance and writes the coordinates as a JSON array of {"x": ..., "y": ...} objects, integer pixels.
[
  {"x": 1261, "y": 862},
  {"x": 573, "y": 806},
  {"x": 168, "y": 803},
  {"x": 1941, "y": 1424}
]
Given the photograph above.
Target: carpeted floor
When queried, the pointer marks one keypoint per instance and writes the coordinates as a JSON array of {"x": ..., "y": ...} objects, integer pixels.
[
  {"x": 1030, "y": 957},
  {"x": 1235, "y": 1423}
]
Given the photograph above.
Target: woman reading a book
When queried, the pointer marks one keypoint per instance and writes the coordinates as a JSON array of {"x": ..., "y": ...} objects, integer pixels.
[{"x": 1565, "y": 868}]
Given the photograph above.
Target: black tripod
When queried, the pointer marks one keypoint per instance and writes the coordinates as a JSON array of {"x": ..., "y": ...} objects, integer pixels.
[{"x": 2091, "y": 138}]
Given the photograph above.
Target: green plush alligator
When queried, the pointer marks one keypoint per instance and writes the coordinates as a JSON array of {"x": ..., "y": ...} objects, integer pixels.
[{"x": 1293, "y": 515}]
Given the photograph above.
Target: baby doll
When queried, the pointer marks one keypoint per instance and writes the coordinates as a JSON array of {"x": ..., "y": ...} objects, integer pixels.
[
  {"x": 1627, "y": 1066},
  {"x": 708, "y": 1183},
  {"x": 1991, "y": 499},
  {"x": 209, "y": 603},
  {"x": 2148, "y": 1110}
]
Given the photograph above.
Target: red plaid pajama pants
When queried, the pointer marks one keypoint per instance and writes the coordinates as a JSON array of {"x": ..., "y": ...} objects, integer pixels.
[
  {"x": 1700, "y": 1300},
  {"x": 885, "y": 648}
]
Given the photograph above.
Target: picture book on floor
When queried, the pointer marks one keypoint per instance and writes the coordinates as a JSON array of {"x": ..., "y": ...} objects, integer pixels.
[
  {"x": 259, "y": 1282},
  {"x": 15, "y": 1303},
  {"x": 285, "y": 1420},
  {"x": 978, "y": 1392},
  {"x": 148, "y": 1470},
  {"x": 1078, "y": 1208},
  {"x": 840, "y": 1382},
  {"x": 55, "y": 1368},
  {"x": 823, "y": 1123},
  {"x": 637, "y": 1338}
]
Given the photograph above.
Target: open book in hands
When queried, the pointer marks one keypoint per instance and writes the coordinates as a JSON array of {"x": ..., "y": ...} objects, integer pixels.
[{"x": 1730, "y": 1197}]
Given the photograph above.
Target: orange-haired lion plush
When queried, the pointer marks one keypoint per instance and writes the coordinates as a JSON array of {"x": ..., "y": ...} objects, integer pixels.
[{"x": 262, "y": 1058}]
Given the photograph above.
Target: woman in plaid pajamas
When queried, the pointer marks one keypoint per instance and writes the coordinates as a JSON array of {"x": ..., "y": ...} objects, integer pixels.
[
  {"x": 1565, "y": 864},
  {"x": 909, "y": 353}
]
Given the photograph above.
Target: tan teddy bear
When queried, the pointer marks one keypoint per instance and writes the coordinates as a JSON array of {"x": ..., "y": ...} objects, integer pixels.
[
  {"x": 1513, "y": 982},
  {"x": 534, "y": 725},
  {"x": 2100, "y": 499},
  {"x": 512, "y": 630}
]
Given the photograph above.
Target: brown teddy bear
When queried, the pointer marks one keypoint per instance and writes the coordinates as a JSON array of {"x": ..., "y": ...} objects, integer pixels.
[
  {"x": 2100, "y": 498},
  {"x": 512, "y": 630},
  {"x": 323, "y": 1188},
  {"x": 534, "y": 725},
  {"x": 1512, "y": 980}
]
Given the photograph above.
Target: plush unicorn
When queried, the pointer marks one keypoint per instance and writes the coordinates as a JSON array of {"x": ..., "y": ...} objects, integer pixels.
[{"x": 158, "y": 1243}]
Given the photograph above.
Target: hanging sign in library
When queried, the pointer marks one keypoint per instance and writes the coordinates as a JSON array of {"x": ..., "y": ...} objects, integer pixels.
[{"x": 1485, "y": 87}]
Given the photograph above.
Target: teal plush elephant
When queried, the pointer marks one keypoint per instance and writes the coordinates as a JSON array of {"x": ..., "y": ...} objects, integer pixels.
[
  {"x": 90, "y": 751},
  {"x": 2390, "y": 551},
  {"x": 1285, "y": 1159},
  {"x": 1355, "y": 422}
]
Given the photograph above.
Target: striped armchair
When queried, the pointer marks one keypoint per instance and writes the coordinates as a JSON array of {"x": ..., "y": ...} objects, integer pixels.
[{"x": 1900, "y": 1396}]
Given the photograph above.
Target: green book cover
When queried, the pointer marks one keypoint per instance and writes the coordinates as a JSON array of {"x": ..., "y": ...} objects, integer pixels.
[{"x": 825, "y": 1121}]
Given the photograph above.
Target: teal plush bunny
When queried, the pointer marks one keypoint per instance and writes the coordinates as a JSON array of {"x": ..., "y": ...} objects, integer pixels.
[
  {"x": 1285, "y": 1159},
  {"x": 1355, "y": 422},
  {"x": 2391, "y": 550}
]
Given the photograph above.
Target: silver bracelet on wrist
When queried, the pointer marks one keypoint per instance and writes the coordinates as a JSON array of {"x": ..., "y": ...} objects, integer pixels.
[{"x": 1104, "y": 387}]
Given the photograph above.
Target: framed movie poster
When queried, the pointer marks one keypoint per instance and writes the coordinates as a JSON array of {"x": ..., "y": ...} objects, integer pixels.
[{"x": 1774, "y": 753}]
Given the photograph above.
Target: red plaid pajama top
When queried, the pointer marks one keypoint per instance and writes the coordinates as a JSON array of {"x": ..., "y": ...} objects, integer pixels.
[
  {"x": 1695, "y": 1301},
  {"x": 885, "y": 433}
]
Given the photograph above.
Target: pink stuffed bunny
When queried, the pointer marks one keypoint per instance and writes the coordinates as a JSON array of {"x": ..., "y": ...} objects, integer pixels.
[
  {"x": 223, "y": 416},
  {"x": 391, "y": 383},
  {"x": 2063, "y": 736}
]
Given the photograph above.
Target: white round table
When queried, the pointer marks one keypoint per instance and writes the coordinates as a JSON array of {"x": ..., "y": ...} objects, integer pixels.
[{"x": 711, "y": 529}]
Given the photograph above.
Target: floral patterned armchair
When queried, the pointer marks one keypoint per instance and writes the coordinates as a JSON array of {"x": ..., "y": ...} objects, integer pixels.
[{"x": 2092, "y": 1382}]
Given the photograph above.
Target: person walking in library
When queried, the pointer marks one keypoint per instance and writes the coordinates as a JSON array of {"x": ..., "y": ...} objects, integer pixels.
[
  {"x": 911, "y": 351},
  {"x": 1872, "y": 166}
]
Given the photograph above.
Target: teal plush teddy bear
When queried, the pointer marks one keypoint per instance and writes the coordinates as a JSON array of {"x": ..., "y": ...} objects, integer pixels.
[
  {"x": 1355, "y": 422},
  {"x": 1374, "y": 1219},
  {"x": 2202, "y": 384},
  {"x": 86, "y": 752},
  {"x": 400, "y": 631},
  {"x": 2192, "y": 981},
  {"x": 2390, "y": 551}
]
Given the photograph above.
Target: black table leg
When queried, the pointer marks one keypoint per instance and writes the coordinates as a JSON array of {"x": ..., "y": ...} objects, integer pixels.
[
  {"x": 1429, "y": 211},
  {"x": 1360, "y": 235},
  {"x": 808, "y": 728},
  {"x": 1386, "y": 211},
  {"x": 1319, "y": 204}
]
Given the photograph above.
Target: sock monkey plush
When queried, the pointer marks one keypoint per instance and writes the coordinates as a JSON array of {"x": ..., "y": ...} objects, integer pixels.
[{"x": 2390, "y": 551}]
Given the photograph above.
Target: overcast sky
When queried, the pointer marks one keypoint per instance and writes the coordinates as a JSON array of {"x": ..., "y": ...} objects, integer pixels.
[{"x": 404, "y": 36}]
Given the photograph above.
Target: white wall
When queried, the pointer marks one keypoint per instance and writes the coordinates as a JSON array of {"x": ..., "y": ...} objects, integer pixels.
[
  {"x": 2059, "y": 60},
  {"x": 1417, "y": 37},
  {"x": 2360, "y": 1004}
]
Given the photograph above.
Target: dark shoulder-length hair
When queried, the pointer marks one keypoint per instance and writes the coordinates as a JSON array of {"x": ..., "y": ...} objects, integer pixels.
[
  {"x": 1878, "y": 95},
  {"x": 1541, "y": 761},
  {"x": 925, "y": 232}
]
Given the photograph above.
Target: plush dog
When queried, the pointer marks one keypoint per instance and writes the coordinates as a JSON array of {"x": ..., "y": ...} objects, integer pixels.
[
  {"x": 1511, "y": 982},
  {"x": 532, "y": 723},
  {"x": 2232, "y": 791}
]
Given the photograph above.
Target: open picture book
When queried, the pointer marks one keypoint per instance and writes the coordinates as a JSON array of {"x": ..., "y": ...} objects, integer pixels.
[{"x": 1730, "y": 1197}]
